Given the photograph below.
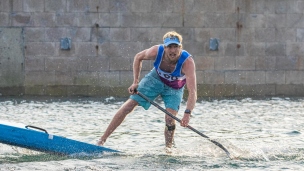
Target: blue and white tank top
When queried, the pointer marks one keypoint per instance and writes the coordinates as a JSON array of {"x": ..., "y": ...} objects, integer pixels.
[{"x": 175, "y": 79}]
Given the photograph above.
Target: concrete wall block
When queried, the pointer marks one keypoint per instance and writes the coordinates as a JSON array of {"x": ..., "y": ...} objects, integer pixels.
[
  {"x": 43, "y": 20},
  {"x": 142, "y": 6},
  {"x": 276, "y": 20},
  {"x": 87, "y": 49},
  {"x": 160, "y": 6},
  {"x": 275, "y": 77},
  {"x": 126, "y": 78},
  {"x": 224, "y": 34},
  {"x": 204, "y": 63},
  {"x": 55, "y": 34},
  {"x": 37, "y": 78},
  {"x": 34, "y": 34},
  {"x": 56, "y": 90},
  {"x": 300, "y": 6},
  {"x": 213, "y": 77},
  {"x": 275, "y": 49},
  {"x": 58, "y": 64},
  {"x": 120, "y": 34},
  {"x": 120, "y": 64},
  {"x": 195, "y": 48},
  {"x": 34, "y": 90},
  {"x": 265, "y": 90},
  {"x": 121, "y": 6},
  {"x": 67, "y": 19},
  {"x": 286, "y": 90},
  {"x": 249, "y": 6},
  {"x": 172, "y": 20},
  {"x": 300, "y": 63},
  {"x": 78, "y": 6},
  {"x": 116, "y": 49},
  {"x": 4, "y": 19},
  {"x": 77, "y": 90},
  {"x": 79, "y": 34},
  {"x": 34, "y": 63},
  {"x": 245, "y": 63},
  {"x": 152, "y": 20},
  {"x": 294, "y": 77},
  {"x": 64, "y": 78},
  {"x": 87, "y": 19},
  {"x": 131, "y": 20},
  {"x": 224, "y": 90},
  {"x": 300, "y": 35},
  {"x": 80, "y": 64},
  {"x": 255, "y": 77},
  {"x": 245, "y": 35},
  {"x": 294, "y": 20},
  {"x": 256, "y": 49},
  {"x": 227, "y": 6},
  {"x": 267, "y": 63},
  {"x": 109, "y": 79},
  {"x": 214, "y": 20},
  {"x": 285, "y": 35},
  {"x": 57, "y": 6},
  {"x": 109, "y": 19},
  {"x": 243, "y": 90},
  {"x": 17, "y": 5},
  {"x": 21, "y": 19},
  {"x": 195, "y": 20},
  {"x": 144, "y": 34},
  {"x": 292, "y": 7},
  {"x": 5, "y": 6},
  {"x": 224, "y": 63},
  {"x": 40, "y": 49},
  {"x": 295, "y": 49},
  {"x": 99, "y": 6},
  {"x": 97, "y": 91},
  {"x": 264, "y": 34},
  {"x": 299, "y": 90},
  {"x": 287, "y": 62},
  {"x": 194, "y": 6},
  {"x": 98, "y": 64},
  {"x": 129, "y": 49},
  {"x": 235, "y": 77},
  {"x": 33, "y": 6},
  {"x": 235, "y": 49},
  {"x": 205, "y": 90},
  {"x": 100, "y": 35},
  {"x": 204, "y": 34},
  {"x": 256, "y": 21},
  {"x": 94, "y": 78}
]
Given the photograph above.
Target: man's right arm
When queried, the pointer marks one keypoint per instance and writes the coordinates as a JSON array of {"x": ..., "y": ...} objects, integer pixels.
[{"x": 147, "y": 54}]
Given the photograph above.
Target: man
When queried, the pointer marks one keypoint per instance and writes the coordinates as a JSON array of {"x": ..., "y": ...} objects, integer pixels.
[{"x": 173, "y": 68}]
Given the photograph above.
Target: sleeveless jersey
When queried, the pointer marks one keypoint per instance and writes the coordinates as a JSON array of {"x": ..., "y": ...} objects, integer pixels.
[{"x": 175, "y": 79}]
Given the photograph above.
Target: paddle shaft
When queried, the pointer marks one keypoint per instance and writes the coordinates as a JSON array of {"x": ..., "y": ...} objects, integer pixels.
[{"x": 177, "y": 119}]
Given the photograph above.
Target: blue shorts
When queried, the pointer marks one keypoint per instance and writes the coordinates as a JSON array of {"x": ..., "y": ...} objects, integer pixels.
[{"x": 151, "y": 86}]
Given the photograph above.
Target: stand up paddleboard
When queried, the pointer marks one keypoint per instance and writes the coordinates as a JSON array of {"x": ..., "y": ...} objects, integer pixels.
[{"x": 39, "y": 139}]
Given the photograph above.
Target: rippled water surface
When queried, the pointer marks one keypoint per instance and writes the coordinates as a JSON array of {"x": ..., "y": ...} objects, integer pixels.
[{"x": 264, "y": 134}]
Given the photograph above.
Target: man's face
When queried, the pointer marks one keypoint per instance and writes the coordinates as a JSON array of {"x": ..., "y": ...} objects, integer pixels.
[{"x": 173, "y": 51}]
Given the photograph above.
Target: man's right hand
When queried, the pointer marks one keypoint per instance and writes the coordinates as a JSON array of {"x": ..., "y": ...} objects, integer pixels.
[
  {"x": 132, "y": 88},
  {"x": 100, "y": 142}
]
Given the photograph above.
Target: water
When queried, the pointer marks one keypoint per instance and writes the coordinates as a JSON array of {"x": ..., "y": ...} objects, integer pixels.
[{"x": 264, "y": 134}]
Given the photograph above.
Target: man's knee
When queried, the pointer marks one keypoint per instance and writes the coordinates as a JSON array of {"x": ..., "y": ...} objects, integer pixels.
[{"x": 170, "y": 127}]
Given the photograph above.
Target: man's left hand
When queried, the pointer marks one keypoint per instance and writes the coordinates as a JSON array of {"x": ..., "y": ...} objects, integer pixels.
[{"x": 185, "y": 120}]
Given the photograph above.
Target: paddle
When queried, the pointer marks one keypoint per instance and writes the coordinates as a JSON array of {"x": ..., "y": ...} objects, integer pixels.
[{"x": 177, "y": 119}]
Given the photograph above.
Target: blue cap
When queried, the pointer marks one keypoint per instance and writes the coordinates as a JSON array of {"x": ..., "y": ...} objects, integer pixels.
[{"x": 171, "y": 40}]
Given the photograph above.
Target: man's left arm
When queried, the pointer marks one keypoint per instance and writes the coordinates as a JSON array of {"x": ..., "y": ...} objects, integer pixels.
[{"x": 189, "y": 71}]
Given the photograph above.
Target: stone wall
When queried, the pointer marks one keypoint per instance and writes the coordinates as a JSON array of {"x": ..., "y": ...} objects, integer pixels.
[{"x": 260, "y": 51}]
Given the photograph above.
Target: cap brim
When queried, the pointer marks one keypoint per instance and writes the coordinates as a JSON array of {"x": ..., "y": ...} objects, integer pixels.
[{"x": 171, "y": 42}]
